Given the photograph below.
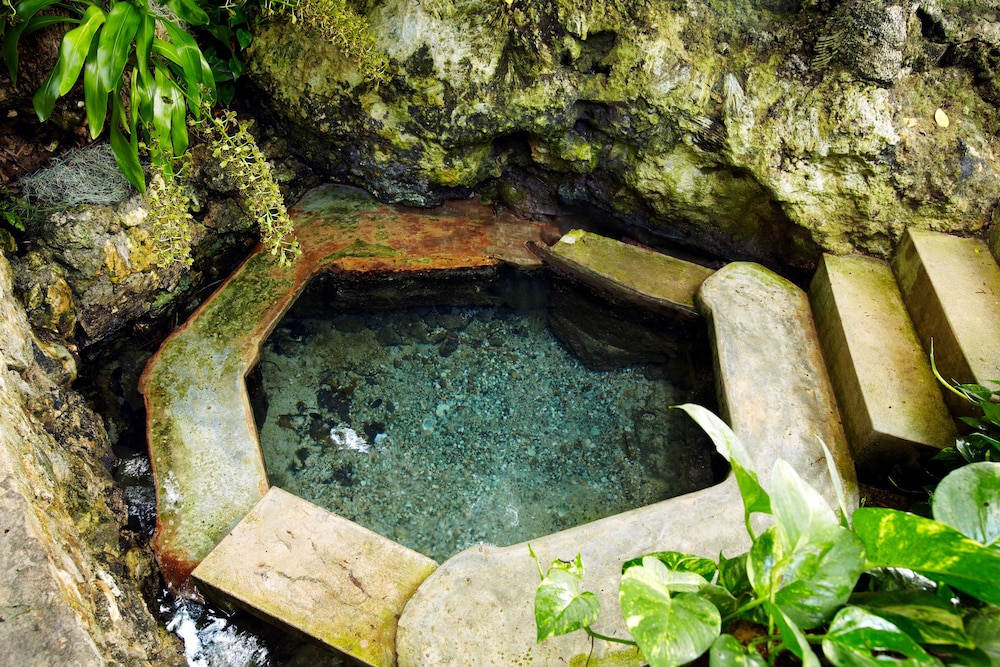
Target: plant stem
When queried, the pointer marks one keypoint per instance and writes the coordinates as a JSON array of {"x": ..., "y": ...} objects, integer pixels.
[
  {"x": 745, "y": 608},
  {"x": 597, "y": 635}
]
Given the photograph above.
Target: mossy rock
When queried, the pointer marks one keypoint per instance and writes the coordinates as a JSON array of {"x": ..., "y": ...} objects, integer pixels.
[{"x": 761, "y": 130}]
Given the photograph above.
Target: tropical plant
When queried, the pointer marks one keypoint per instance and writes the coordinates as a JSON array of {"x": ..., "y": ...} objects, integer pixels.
[
  {"x": 894, "y": 589},
  {"x": 982, "y": 442},
  {"x": 142, "y": 71},
  {"x": 145, "y": 75}
]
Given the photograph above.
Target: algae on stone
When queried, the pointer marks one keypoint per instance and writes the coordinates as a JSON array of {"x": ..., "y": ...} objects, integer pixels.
[{"x": 765, "y": 130}]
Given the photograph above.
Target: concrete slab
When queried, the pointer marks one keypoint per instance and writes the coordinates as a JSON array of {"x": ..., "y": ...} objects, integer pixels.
[
  {"x": 893, "y": 410},
  {"x": 773, "y": 386},
  {"x": 477, "y": 608},
  {"x": 299, "y": 566},
  {"x": 951, "y": 287},
  {"x": 202, "y": 439},
  {"x": 628, "y": 272}
]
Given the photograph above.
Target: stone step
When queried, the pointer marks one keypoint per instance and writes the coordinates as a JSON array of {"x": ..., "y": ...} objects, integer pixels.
[
  {"x": 299, "y": 566},
  {"x": 891, "y": 404},
  {"x": 951, "y": 287},
  {"x": 631, "y": 273}
]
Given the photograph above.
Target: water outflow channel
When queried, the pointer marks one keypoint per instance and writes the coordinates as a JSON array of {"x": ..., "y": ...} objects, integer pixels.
[{"x": 446, "y": 412}]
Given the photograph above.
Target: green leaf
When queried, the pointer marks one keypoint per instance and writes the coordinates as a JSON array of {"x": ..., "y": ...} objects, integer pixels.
[
  {"x": 801, "y": 514},
  {"x": 188, "y": 11},
  {"x": 755, "y": 498},
  {"x": 968, "y": 499},
  {"x": 983, "y": 626},
  {"x": 560, "y": 606},
  {"x": 27, "y": 23},
  {"x": 857, "y": 638},
  {"x": 811, "y": 582},
  {"x": 169, "y": 114},
  {"x": 733, "y": 574},
  {"x": 95, "y": 96},
  {"x": 45, "y": 97},
  {"x": 727, "y": 651},
  {"x": 900, "y": 539},
  {"x": 681, "y": 562},
  {"x": 116, "y": 43},
  {"x": 669, "y": 630},
  {"x": 922, "y": 615},
  {"x": 75, "y": 46},
  {"x": 792, "y": 638},
  {"x": 244, "y": 38},
  {"x": 197, "y": 72},
  {"x": 126, "y": 151}
]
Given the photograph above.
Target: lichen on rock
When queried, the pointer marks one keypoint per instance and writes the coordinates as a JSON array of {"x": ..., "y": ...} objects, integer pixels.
[{"x": 761, "y": 130}]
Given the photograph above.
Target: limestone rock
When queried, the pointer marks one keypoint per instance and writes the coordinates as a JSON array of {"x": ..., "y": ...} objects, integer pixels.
[
  {"x": 70, "y": 578},
  {"x": 729, "y": 125}
]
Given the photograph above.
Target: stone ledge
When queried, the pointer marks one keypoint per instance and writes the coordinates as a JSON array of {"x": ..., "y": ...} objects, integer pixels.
[
  {"x": 632, "y": 273},
  {"x": 299, "y": 566}
]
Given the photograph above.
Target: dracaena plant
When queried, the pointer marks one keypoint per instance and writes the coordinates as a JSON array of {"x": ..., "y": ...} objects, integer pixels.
[
  {"x": 142, "y": 71},
  {"x": 893, "y": 589}
]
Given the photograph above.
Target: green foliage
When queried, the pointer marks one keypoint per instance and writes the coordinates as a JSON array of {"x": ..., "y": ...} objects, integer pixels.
[
  {"x": 982, "y": 443},
  {"x": 145, "y": 74},
  {"x": 802, "y": 580},
  {"x": 239, "y": 157},
  {"x": 339, "y": 23},
  {"x": 142, "y": 72}
]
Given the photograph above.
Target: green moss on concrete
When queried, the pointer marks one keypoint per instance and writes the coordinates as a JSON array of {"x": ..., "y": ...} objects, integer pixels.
[
  {"x": 361, "y": 248},
  {"x": 236, "y": 312}
]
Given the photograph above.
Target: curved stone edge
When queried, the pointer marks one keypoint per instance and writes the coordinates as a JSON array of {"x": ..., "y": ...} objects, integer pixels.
[
  {"x": 208, "y": 468},
  {"x": 774, "y": 388}
]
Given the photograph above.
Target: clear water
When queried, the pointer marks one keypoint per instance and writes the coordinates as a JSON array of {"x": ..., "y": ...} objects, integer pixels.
[{"x": 443, "y": 426}]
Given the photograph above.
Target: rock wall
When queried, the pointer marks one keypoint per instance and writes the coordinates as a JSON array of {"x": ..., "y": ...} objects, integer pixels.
[
  {"x": 761, "y": 129},
  {"x": 71, "y": 579}
]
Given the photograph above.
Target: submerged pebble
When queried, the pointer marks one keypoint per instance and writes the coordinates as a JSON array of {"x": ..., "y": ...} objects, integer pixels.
[{"x": 491, "y": 433}]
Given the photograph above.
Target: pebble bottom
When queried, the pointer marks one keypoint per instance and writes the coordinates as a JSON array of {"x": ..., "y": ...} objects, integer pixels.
[{"x": 446, "y": 427}]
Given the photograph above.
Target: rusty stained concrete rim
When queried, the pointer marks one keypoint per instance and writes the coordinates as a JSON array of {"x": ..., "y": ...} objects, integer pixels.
[{"x": 324, "y": 251}]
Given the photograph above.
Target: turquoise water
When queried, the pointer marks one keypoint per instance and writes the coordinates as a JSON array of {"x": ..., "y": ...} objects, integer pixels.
[{"x": 444, "y": 426}]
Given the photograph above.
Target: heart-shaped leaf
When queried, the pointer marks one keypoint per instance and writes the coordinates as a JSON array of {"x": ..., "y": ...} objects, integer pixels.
[
  {"x": 968, "y": 499},
  {"x": 560, "y": 606},
  {"x": 670, "y": 630}
]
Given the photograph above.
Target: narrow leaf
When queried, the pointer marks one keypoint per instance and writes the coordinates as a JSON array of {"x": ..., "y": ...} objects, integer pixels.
[
  {"x": 75, "y": 46},
  {"x": 28, "y": 22},
  {"x": 95, "y": 96},
  {"x": 126, "y": 151},
  {"x": 189, "y": 11},
  {"x": 45, "y": 97},
  {"x": 116, "y": 43},
  {"x": 899, "y": 539}
]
